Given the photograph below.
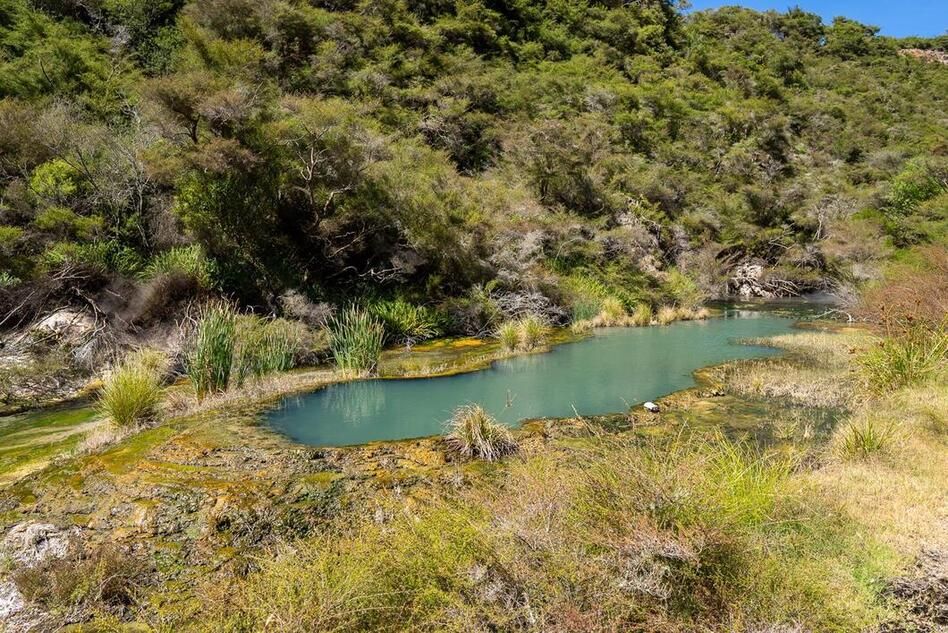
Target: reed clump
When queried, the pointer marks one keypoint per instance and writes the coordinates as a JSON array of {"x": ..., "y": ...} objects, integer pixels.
[
  {"x": 265, "y": 346},
  {"x": 475, "y": 434},
  {"x": 211, "y": 355},
  {"x": 356, "y": 339}
]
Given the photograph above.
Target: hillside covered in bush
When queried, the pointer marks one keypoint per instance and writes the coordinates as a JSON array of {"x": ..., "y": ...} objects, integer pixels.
[{"x": 470, "y": 155}]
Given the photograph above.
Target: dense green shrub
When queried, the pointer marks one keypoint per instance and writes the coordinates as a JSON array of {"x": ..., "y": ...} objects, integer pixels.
[{"x": 356, "y": 338}]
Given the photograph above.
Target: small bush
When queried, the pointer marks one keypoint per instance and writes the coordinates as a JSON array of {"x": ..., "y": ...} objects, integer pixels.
[
  {"x": 356, "y": 339},
  {"x": 683, "y": 290},
  {"x": 406, "y": 323},
  {"x": 666, "y": 315},
  {"x": 863, "y": 439},
  {"x": 475, "y": 434},
  {"x": 133, "y": 391},
  {"x": 642, "y": 315},
  {"x": 211, "y": 355},
  {"x": 532, "y": 331},
  {"x": 86, "y": 581},
  {"x": 509, "y": 335},
  {"x": 904, "y": 360}
]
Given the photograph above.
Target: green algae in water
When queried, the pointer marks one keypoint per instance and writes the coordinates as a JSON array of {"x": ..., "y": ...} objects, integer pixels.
[
  {"x": 28, "y": 441},
  {"x": 605, "y": 373}
]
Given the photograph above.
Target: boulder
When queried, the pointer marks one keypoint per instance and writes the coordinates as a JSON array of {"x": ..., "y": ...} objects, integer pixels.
[
  {"x": 67, "y": 324},
  {"x": 32, "y": 543}
]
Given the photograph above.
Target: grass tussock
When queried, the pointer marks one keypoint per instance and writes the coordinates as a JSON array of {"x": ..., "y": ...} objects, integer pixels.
[
  {"x": 509, "y": 335},
  {"x": 864, "y": 438},
  {"x": 189, "y": 261},
  {"x": 132, "y": 392},
  {"x": 525, "y": 334},
  {"x": 356, "y": 339},
  {"x": 612, "y": 312},
  {"x": 265, "y": 346},
  {"x": 533, "y": 331},
  {"x": 642, "y": 315},
  {"x": 475, "y": 434},
  {"x": 210, "y": 358},
  {"x": 666, "y": 315}
]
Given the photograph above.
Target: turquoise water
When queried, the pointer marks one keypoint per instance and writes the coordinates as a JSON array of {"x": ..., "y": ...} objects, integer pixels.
[{"x": 606, "y": 373}]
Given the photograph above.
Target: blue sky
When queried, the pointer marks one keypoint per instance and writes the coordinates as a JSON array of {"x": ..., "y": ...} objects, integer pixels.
[{"x": 898, "y": 18}]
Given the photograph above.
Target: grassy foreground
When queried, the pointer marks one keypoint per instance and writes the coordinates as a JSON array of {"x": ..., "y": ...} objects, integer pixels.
[{"x": 621, "y": 532}]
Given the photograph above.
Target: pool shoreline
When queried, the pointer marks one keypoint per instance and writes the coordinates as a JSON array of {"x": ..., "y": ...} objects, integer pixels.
[{"x": 490, "y": 363}]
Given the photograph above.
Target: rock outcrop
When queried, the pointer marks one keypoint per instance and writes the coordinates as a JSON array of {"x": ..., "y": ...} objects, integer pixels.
[{"x": 934, "y": 57}]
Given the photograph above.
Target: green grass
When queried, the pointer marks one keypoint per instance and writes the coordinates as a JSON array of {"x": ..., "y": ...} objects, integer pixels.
[
  {"x": 132, "y": 393},
  {"x": 532, "y": 331},
  {"x": 691, "y": 534},
  {"x": 642, "y": 315},
  {"x": 264, "y": 346},
  {"x": 406, "y": 323},
  {"x": 509, "y": 335},
  {"x": 210, "y": 357},
  {"x": 475, "y": 434},
  {"x": 865, "y": 438},
  {"x": 182, "y": 260},
  {"x": 356, "y": 338},
  {"x": 904, "y": 360}
]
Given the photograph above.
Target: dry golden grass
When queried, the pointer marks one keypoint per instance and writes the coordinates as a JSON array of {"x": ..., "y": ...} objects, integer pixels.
[
  {"x": 181, "y": 402},
  {"x": 899, "y": 494}
]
